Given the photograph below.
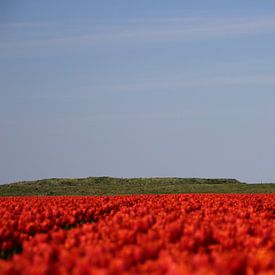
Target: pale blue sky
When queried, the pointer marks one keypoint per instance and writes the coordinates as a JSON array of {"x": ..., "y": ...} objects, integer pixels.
[{"x": 137, "y": 89}]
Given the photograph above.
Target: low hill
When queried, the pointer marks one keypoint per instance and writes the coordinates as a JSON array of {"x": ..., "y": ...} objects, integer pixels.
[{"x": 119, "y": 186}]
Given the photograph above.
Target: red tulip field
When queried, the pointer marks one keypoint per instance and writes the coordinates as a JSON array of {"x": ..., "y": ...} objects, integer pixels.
[{"x": 140, "y": 234}]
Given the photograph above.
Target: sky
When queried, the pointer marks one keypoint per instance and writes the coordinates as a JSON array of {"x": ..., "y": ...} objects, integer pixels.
[{"x": 146, "y": 88}]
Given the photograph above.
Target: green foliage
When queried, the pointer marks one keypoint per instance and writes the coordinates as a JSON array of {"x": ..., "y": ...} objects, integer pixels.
[{"x": 121, "y": 186}]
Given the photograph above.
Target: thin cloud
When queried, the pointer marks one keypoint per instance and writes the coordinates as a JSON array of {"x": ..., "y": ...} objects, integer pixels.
[
  {"x": 152, "y": 30},
  {"x": 181, "y": 82},
  {"x": 168, "y": 84},
  {"x": 21, "y": 25}
]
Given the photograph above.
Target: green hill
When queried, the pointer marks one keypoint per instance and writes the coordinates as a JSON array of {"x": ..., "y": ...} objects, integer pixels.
[{"x": 119, "y": 186}]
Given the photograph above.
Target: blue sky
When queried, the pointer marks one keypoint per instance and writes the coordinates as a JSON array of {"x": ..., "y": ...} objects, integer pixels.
[{"x": 137, "y": 89}]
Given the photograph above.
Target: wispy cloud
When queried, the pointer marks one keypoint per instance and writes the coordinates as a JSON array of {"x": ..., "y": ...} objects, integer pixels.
[
  {"x": 144, "y": 116},
  {"x": 20, "y": 25},
  {"x": 172, "y": 83},
  {"x": 191, "y": 28},
  {"x": 139, "y": 30}
]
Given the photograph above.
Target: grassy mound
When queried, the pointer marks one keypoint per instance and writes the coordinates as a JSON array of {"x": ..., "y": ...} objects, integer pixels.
[{"x": 120, "y": 186}]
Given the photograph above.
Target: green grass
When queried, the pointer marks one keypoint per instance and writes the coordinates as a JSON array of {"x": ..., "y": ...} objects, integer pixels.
[{"x": 119, "y": 186}]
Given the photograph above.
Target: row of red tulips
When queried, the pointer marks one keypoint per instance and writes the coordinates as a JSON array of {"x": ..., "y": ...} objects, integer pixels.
[
  {"x": 23, "y": 217},
  {"x": 149, "y": 234}
]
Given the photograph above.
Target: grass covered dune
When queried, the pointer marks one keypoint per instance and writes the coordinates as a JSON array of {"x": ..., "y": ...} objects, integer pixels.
[{"x": 122, "y": 186}]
